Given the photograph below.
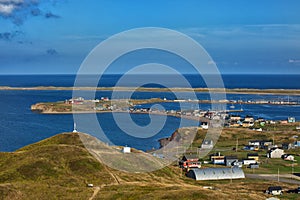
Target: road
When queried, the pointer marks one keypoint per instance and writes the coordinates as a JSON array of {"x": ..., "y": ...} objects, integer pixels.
[{"x": 286, "y": 178}]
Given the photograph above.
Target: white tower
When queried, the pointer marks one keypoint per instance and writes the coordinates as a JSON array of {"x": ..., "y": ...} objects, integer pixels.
[{"x": 74, "y": 130}]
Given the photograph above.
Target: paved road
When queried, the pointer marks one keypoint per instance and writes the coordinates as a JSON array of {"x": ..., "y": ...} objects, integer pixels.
[{"x": 286, "y": 178}]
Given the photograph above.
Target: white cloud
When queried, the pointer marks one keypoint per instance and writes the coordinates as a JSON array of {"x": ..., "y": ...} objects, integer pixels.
[
  {"x": 8, "y": 6},
  {"x": 11, "y": 1},
  {"x": 294, "y": 61},
  {"x": 6, "y": 9}
]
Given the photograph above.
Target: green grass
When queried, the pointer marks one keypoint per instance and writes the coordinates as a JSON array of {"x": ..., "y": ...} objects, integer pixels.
[{"x": 60, "y": 167}]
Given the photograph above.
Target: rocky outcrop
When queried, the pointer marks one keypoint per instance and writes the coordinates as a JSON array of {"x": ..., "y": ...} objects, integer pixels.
[
  {"x": 165, "y": 141},
  {"x": 51, "y": 108}
]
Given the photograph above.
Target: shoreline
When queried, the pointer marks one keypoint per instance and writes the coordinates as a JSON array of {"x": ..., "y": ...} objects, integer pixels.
[
  {"x": 175, "y": 89},
  {"x": 200, "y": 119}
]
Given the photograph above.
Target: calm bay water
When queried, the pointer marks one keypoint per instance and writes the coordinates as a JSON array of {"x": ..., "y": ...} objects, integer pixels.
[{"x": 19, "y": 126}]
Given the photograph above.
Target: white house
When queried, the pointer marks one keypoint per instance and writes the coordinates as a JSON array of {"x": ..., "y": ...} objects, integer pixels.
[
  {"x": 275, "y": 153},
  {"x": 207, "y": 144},
  {"x": 288, "y": 157},
  {"x": 204, "y": 125},
  {"x": 249, "y": 161},
  {"x": 126, "y": 149}
]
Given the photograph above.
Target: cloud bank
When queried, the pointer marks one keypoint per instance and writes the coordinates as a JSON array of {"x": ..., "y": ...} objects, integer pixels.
[{"x": 18, "y": 10}]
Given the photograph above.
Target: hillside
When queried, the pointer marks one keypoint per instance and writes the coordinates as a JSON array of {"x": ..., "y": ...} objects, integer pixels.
[{"x": 60, "y": 168}]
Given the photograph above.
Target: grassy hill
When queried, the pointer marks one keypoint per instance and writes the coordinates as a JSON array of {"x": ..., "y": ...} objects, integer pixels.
[{"x": 60, "y": 168}]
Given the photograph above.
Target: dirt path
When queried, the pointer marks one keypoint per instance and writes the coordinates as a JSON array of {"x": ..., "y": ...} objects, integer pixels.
[{"x": 96, "y": 190}]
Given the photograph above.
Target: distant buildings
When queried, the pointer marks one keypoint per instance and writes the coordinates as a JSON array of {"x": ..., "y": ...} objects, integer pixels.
[
  {"x": 261, "y": 144},
  {"x": 190, "y": 161},
  {"x": 291, "y": 119},
  {"x": 230, "y": 160}
]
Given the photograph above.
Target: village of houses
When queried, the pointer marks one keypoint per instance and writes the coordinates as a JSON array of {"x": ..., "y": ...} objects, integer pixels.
[
  {"x": 245, "y": 160},
  {"x": 257, "y": 154}
]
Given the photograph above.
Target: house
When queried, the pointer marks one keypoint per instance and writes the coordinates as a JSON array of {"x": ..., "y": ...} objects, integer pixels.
[
  {"x": 286, "y": 146},
  {"x": 216, "y": 173},
  {"x": 283, "y": 122},
  {"x": 275, "y": 153},
  {"x": 249, "y": 161},
  {"x": 254, "y": 143},
  {"x": 204, "y": 125},
  {"x": 291, "y": 119},
  {"x": 247, "y": 124},
  {"x": 254, "y": 166},
  {"x": 207, "y": 144},
  {"x": 234, "y": 118},
  {"x": 260, "y": 119},
  {"x": 297, "y": 144},
  {"x": 249, "y": 147},
  {"x": 262, "y": 144},
  {"x": 287, "y": 157},
  {"x": 234, "y": 124},
  {"x": 274, "y": 190},
  {"x": 249, "y": 119},
  {"x": 230, "y": 160},
  {"x": 253, "y": 156},
  {"x": 126, "y": 150},
  {"x": 217, "y": 159},
  {"x": 238, "y": 164},
  {"x": 190, "y": 161}
]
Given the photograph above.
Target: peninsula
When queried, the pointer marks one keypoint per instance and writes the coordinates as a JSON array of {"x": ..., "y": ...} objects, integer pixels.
[{"x": 177, "y": 89}]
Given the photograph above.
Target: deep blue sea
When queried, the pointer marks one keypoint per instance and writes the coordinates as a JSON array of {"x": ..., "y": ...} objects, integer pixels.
[
  {"x": 230, "y": 81},
  {"x": 19, "y": 126}
]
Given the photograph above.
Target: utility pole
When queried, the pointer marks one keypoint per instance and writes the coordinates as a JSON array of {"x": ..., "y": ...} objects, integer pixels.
[
  {"x": 292, "y": 169},
  {"x": 237, "y": 144},
  {"x": 278, "y": 176},
  {"x": 231, "y": 175}
]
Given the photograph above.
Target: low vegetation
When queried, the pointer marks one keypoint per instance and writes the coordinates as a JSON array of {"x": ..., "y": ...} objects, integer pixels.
[{"x": 60, "y": 168}]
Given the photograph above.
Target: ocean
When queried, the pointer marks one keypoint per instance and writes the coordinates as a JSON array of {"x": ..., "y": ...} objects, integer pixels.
[
  {"x": 196, "y": 81},
  {"x": 19, "y": 126}
]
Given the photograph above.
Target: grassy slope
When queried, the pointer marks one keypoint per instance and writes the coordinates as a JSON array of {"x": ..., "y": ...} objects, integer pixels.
[{"x": 60, "y": 167}]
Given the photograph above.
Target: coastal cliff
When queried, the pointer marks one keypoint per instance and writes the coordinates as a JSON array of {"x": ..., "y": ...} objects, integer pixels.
[{"x": 165, "y": 141}]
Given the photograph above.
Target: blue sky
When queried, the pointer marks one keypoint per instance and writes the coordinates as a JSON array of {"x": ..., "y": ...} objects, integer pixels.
[{"x": 254, "y": 36}]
